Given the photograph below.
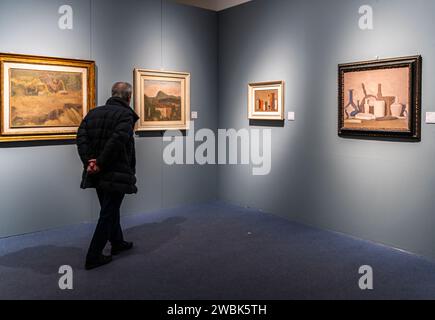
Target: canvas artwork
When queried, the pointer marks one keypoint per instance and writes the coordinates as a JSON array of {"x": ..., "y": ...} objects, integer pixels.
[
  {"x": 44, "y": 98},
  {"x": 266, "y": 101},
  {"x": 162, "y": 100},
  {"x": 381, "y": 98},
  {"x": 59, "y": 96}
]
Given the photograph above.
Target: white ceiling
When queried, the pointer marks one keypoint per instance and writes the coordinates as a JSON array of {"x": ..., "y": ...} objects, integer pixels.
[{"x": 215, "y": 5}]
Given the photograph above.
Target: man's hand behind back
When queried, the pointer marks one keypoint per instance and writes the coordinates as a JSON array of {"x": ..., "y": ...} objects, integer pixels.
[{"x": 93, "y": 168}]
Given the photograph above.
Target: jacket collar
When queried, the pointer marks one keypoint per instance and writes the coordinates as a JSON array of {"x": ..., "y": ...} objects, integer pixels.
[{"x": 115, "y": 101}]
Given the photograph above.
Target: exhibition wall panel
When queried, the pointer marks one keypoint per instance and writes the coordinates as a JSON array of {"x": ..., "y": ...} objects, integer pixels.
[
  {"x": 40, "y": 181},
  {"x": 161, "y": 36},
  {"x": 127, "y": 35},
  {"x": 184, "y": 29},
  {"x": 373, "y": 189}
]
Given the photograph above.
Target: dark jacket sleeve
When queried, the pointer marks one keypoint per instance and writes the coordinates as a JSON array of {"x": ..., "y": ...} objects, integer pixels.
[
  {"x": 83, "y": 144},
  {"x": 120, "y": 137}
]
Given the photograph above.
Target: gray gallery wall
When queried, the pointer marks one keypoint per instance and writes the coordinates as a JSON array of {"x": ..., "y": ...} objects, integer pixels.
[
  {"x": 39, "y": 186},
  {"x": 376, "y": 190}
]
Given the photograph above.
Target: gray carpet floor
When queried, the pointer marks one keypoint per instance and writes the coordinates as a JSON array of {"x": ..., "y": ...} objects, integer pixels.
[{"x": 212, "y": 251}]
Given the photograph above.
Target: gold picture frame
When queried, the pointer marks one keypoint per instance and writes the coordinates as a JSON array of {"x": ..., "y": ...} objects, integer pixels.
[
  {"x": 266, "y": 101},
  {"x": 162, "y": 100},
  {"x": 44, "y": 98}
]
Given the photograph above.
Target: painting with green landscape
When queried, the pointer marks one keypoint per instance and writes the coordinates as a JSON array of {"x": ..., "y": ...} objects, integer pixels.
[{"x": 162, "y": 100}]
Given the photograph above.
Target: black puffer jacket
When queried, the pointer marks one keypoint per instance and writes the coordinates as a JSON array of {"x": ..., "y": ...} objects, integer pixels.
[{"x": 106, "y": 134}]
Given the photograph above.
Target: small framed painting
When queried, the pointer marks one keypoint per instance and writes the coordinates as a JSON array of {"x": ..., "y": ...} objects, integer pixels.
[
  {"x": 44, "y": 98},
  {"x": 162, "y": 100},
  {"x": 266, "y": 101},
  {"x": 381, "y": 99}
]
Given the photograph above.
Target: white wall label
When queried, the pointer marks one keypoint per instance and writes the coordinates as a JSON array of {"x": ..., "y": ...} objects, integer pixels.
[
  {"x": 66, "y": 19},
  {"x": 291, "y": 116},
  {"x": 194, "y": 115},
  {"x": 430, "y": 117}
]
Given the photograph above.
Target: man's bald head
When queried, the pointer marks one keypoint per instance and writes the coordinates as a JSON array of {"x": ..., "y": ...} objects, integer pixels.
[{"x": 122, "y": 90}]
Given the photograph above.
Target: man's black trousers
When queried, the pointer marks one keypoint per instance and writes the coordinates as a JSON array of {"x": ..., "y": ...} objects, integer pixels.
[{"x": 109, "y": 224}]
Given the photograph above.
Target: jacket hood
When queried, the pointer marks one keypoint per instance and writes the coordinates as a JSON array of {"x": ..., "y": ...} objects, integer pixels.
[{"x": 115, "y": 101}]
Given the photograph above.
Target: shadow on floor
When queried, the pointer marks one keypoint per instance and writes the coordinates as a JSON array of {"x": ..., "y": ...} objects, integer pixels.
[
  {"x": 47, "y": 259},
  {"x": 43, "y": 259},
  {"x": 150, "y": 237}
]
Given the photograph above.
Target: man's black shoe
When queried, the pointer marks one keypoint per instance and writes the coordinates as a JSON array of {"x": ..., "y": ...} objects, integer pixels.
[
  {"x": 98, "y": 262},
  {"x": 122, "y": 247}
]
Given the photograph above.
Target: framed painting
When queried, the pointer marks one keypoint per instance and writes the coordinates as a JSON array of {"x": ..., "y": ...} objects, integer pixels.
[
  {"x": 44, "y": 98},
  {"x": 381, "y": 99},
  {"x": 266, "y": 101},
  {"x": 162, "y": 100}
]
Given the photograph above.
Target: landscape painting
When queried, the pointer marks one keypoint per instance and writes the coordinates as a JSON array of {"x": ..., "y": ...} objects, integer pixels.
[
  {"x": 162, "y": 100},
  {"x": 381, "y": 98},
  {"x": 44, "y": 98},
  {"x": 266, "y": 101}
]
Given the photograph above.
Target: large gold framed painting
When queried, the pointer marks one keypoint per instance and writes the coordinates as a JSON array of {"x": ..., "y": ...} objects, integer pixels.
[
  {"x": 162, "y": 100},
  {"x": 44, "y": 98},
  {"x": 381, "y": 99}
]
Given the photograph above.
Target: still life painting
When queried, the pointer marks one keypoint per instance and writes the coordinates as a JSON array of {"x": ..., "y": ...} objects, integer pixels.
[
  {"x": 162, "y": 100},
  {"x": 44, "y": 98},
  {"x": 381, "y": 99},
  {"x": 266, "y": 101}
]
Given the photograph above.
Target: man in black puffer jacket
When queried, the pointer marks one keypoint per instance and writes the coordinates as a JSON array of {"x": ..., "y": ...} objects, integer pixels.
[{"x": 105, "y": 142}]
